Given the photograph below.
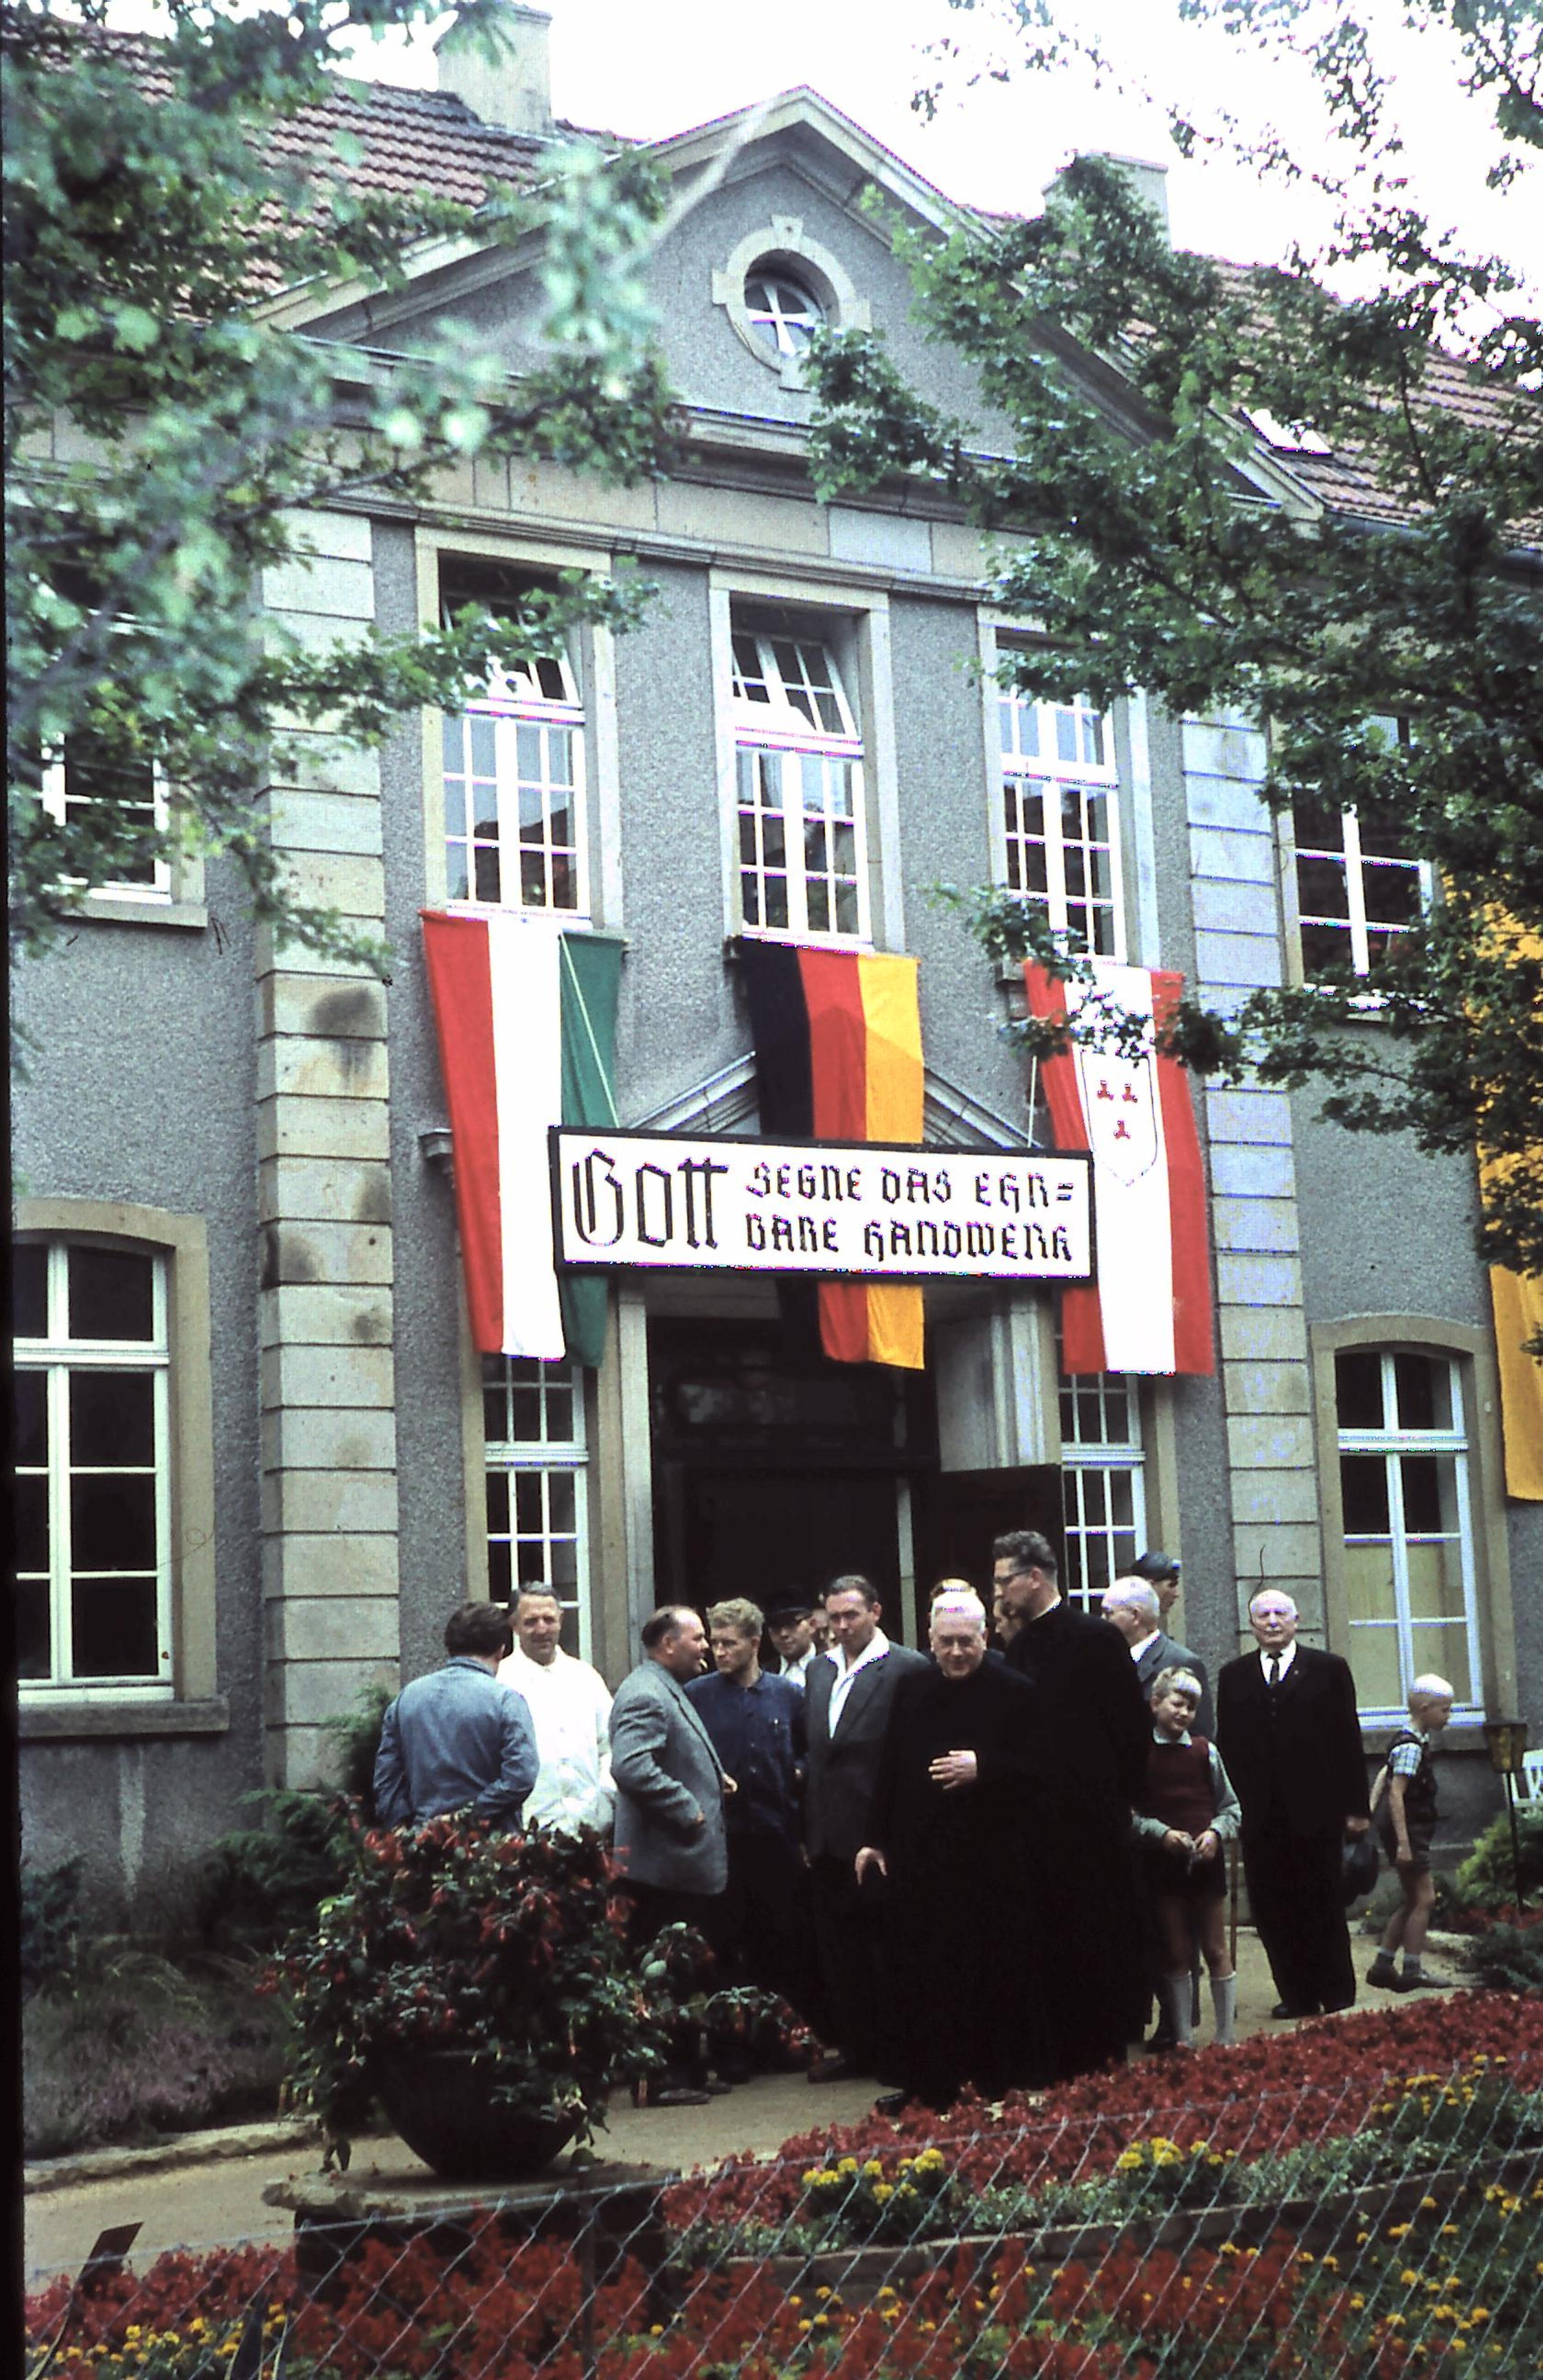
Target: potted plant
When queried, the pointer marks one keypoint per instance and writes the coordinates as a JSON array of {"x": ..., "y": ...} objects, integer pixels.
[{"x": 476, "y": 1984}]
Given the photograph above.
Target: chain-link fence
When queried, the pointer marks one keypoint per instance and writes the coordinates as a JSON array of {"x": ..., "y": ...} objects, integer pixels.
[{"x": 1309, "y": 2231}]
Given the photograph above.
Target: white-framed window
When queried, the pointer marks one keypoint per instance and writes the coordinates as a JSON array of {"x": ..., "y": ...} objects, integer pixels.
[
  {"x": 798, "y": 785},
  {"x": 1358, "y": 886},
  {"x": 1405, "y": 1499},
  {"x": 93, "y": 1468},
  {"x": 1103, "y": 1497},
  {"x": 514, "y": 793},
  {"x": 90, "y": 777},
  {"x": 1057, "y": 828},
  {"x": 537, "y": 1482},
  {"x": 1358, "y": 890}
]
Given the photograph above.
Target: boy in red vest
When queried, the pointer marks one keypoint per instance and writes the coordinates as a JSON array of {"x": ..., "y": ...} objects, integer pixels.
[{"x": 1186, "y": 1810}]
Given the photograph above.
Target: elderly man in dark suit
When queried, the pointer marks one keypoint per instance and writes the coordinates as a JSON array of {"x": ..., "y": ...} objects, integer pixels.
[
  {"x": 1134, "y": 1608},
  {"x": 848, "y": 1693},
  {"x": 1288, "y": 1732}
]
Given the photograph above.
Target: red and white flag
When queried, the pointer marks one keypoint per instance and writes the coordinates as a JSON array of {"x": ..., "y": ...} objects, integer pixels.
[
  {"x": 1150, "y": 1308},
  {"x": 496, "y": 987}
]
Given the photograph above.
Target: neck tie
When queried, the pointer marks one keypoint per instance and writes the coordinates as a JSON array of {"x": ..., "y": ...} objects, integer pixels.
[{"x": 1274, "y": 1678}]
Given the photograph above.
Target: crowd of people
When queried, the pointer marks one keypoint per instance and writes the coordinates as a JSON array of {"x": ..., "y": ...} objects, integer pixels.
[{"x": 977, "y": 1866}]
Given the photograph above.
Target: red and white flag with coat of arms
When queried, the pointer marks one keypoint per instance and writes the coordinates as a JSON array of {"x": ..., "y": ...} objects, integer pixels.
[{"x": 1150, "y": 1308}]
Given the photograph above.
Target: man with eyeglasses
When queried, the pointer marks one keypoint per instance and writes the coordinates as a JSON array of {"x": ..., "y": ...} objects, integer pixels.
[{"x": 1098, "y": 1726}]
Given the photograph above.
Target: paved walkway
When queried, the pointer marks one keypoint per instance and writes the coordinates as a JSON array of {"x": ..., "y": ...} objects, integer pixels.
[{"x": 197, "y": 2204}]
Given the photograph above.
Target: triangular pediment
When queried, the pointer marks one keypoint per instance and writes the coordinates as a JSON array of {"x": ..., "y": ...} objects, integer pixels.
[
  {"x": 797, "y": 131},
  {"x": 726, "y": 1102}
]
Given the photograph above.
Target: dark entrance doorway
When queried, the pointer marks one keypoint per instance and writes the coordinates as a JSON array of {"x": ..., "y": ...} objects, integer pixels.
[
  {"x": 959, "y": 1513},
  {"x": 773, "y": 1472}
]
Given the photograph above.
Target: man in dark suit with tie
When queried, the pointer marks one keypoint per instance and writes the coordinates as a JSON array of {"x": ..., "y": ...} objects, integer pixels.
[
  {"x": 848, "y": 1692},
  {"x": 1288, "y": 1732}
]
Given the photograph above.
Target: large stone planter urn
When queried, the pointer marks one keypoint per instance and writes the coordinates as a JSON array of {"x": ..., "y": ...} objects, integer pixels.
[{"x": 444, "y": 2103}]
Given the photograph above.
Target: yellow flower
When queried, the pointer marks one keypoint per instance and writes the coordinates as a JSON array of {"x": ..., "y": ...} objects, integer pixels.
[
  {"x": 883, "y": 2189},
  {"x": 1399, "y": 2231},
  {"x": 823, "y": 2291},
  {"x": 1410, "y": 2279},
  {"x": 848, "y": 2166},
  {"x": 1330, "y": 2263},
  {"x": 1357, "y": 2305},
  {"x": 1427, "y": 2206},
  {"x": 806, "y": 2324},
  {"x": 931, "y": 2161},
  {"x": 872, "y": 2167},
  {"x": 1129, "y": 2161}
]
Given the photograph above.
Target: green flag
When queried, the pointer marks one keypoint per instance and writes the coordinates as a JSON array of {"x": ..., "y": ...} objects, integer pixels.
[{"x": 590, "y": 976}]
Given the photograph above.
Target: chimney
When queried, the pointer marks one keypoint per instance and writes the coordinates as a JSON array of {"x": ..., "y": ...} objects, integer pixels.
[
  {"x": 1149, "y": 182},
  {"x": 500, "y": 68}
]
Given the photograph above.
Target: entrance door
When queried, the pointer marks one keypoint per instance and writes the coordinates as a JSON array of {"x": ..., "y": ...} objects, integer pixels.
[
  {"x": 961, "y": 1511},
  {"x": 777, "y": 1535}
]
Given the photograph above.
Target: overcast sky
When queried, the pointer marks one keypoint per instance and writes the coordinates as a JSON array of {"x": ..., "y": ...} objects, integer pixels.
[{"x": 647, "y": 68}]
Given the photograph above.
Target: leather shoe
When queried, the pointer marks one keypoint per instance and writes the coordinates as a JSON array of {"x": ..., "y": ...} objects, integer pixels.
[
  {"x": 891, "y": 2102},
  {"x": 1429, "y": 1979},
  {"x": 831, "y": 2067},
  {"x": 679, "y": 2094}
]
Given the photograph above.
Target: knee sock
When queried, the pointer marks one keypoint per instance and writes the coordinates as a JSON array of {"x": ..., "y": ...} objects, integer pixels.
[
  {"x": 1223, "y": 1999},
  {"x": 1383, "y": 1963},
  {"x": 1176, "y": 1991},
  {"x": 1411, "y": 1965}
]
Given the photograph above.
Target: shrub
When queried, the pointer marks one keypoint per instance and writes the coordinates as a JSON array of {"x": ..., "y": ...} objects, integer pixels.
[
  {"x": 261, "y": 1884},
  {"x": 1509, "y": 1957},
  {"x": 50, "y": 1923},
  {"x": 138, "y": 2048},
  {"x": 1489, "y": 1874},
  {"x": 451, "y": 1937}
]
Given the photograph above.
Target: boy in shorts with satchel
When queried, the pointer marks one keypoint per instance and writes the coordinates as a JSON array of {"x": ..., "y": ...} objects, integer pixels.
[{"x": 1405, "y": 1826}]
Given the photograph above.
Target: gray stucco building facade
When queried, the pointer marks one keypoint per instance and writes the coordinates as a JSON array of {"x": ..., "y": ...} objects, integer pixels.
[{"x": 307, "y": 1461}]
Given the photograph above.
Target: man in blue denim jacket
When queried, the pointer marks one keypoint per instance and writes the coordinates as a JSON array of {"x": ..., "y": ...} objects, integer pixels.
[{"x": 458, "y": 1739}]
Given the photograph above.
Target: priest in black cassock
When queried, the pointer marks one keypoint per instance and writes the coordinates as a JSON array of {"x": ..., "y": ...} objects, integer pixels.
[
  {"x": 1096, "y": 1731},
  {"x": 960, "y": 1808}
]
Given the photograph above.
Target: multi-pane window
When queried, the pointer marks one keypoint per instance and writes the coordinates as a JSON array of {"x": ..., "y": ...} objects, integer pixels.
[
  {"x": 1359, "y": 889},
  {"x": 537, "y": 1483},
  {"x": 514, "y": 792},
  {"x": 1408, "y": 1531},
  {"x": 92, "y": 1391},
  {"x": 780, "y": 310},
  {"x": 1059, "y": 818},
  {"x": 799, "y": 787},
  {"x": 92, "y": 783},
  {"x": 1103, "y": 1488}
]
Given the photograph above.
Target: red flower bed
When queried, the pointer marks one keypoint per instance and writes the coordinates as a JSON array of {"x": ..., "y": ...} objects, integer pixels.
[{"x": 1270, "y": 2093}]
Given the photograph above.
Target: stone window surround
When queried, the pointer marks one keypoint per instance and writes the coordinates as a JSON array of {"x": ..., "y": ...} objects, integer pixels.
[
  {"x": 1474, "y": 1349},
  {"x": 179, "y": 903},
  {"x": 783, "y": 241},
  {"x": 862, "y": 614},
  {"x": 194, "y": 1708},
  {"x": 602, "y": 772}
]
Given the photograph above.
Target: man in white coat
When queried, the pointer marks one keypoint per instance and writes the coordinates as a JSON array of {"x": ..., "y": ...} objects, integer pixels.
[{"x": 570, "y": 1709}]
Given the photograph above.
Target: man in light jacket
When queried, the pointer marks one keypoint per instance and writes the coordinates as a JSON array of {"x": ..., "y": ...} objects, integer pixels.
[
  {"x": 570, "y": 1708},
  {"x": 457, "y": 1739}
]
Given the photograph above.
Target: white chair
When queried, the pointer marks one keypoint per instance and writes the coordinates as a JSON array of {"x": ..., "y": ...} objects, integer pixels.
[{"x": 1532, "y": 1777}]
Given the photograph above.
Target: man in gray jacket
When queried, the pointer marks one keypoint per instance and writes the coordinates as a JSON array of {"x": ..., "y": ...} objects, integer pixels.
[
  {"x": 1134, "y": 1606},
  {"x": 459, "y": 1739},
  {"x": 670, "y": 1839},
  {"x": 670, "y": 1842}
]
